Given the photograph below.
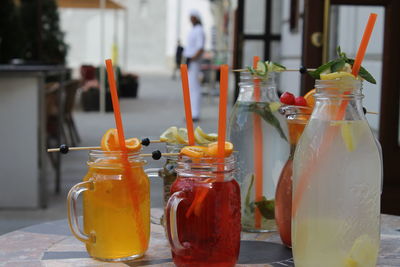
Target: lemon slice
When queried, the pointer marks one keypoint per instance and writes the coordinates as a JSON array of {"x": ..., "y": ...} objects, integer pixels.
[
  {"x": 182, "y": 136},
  {"x": 351, "y": 132},
  {"x": 209, "y": 137},
  {"x": 336, "y": 75},
  {"x": 169, "y": 135},
  {"x": 363, "y": 252}
]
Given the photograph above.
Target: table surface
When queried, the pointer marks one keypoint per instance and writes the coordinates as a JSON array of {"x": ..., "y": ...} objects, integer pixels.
[{"x": 51, "y": 244}]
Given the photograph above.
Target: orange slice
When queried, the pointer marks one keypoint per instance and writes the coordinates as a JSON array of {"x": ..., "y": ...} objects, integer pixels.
[
  {"x": 133, "y": 144},
  {"x": 212, "y": 149},
  {"x": 194, "y": 151},
  {"x": 109, "y": 141},
  {"x": 309, "y": 97}
]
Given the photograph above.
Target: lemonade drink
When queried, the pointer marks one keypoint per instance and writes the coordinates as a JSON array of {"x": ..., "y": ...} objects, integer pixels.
[
  {"x": 116, "y": 211},
  {"x": 336, "y": 183}
]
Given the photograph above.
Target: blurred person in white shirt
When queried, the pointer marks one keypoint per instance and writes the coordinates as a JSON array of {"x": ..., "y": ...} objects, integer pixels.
[{"x": 193, "y": 52}]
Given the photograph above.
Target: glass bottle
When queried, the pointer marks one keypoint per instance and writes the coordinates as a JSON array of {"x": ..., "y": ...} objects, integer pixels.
[
  {"x": 203, "y": 213},
  {"x": 259, "y": 134},
  {"x": 297, "y": 118},
  {"x": 337, "y": 172}
]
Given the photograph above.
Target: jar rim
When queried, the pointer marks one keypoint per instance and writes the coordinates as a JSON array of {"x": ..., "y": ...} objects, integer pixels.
[
  {"x": 206, "y": 166},
  {"x": 341, "y": 82},
  {"x": 112, "y": 159}
]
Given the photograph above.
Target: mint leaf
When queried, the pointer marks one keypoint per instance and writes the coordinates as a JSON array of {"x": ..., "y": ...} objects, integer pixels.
[
  {"x": 338, "y": 65},
  {"x": 363, "y": 73},
  {"x": 266, "y": 208},
  {"x": 327, "y": 66}
]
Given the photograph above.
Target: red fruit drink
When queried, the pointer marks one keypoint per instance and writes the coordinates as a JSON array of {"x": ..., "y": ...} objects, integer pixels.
[
  {"x": 203, "y": 218},
  {"x": 297, "y": 118}
]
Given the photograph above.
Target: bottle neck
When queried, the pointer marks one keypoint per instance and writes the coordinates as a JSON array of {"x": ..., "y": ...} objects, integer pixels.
[
  {"x": 253, "y": 89},
  {"x": 297, "y": 118},
  {"x": 338, "y": 100}
]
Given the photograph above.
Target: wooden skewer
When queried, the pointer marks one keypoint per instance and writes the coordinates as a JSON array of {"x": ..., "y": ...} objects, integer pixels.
[
  {"x": 75, "y": 148},
  {"x": 156, "y": 155},
  {"x": 372, "y": 112},
  {"x": 242, "y": 70}
]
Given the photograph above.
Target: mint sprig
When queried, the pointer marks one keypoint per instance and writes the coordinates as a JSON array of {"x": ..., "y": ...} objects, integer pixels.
[{"x": 338, "y": 64}]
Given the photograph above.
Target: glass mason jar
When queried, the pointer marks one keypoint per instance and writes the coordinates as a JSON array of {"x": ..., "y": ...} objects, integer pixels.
[
  {"x": 168, "y": 174},
  {"x": 259, "y": 133},
  {"x": 337, "y": 177},
  {"x": 116, "y": 206},
  {"x": 203, "y": 213},
  {"x": 297, "y": 118}
]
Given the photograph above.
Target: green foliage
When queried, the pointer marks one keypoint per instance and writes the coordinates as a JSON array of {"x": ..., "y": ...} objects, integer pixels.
[
  {"x": 11, "y": 32},
  {"x": 338, "y": 64},
  {"x": 44, "y": 41}
]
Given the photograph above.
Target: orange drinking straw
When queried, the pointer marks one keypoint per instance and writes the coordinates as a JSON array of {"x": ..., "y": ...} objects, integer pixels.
[
  {"x": 258, "y": 150},
  {"x": 305, "y": 177},
  {"x": 223, "y": 98},
  {"x": 121, "y": 138},
  {"x": 364, "y": 43},
  {"x": 186, "y": 100},
  {"x": 359, "y": 58}
]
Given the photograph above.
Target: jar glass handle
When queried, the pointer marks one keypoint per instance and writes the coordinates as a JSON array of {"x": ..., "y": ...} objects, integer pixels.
[
  {"x": 171, "y": 209},
  {"x": 73, "y": 195},
  {"x": 154, "y": 173}
]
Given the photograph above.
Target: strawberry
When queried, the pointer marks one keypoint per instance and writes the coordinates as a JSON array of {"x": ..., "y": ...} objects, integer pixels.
[
  {"x": 287, "y": 98},
  {"x": 300, "y": 101}
]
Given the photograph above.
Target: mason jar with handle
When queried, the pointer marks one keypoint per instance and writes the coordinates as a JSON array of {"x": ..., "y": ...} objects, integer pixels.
[
  {"x": 203, "y": 213},
  {"x": 116, "y": 206},
  {"x": 337, "y": 178}
]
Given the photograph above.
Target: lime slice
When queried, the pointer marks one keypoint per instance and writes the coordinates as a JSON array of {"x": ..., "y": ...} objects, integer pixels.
[
  {"x": 274, "y": 106},
  {"x": 212, "y": 137},
  {"x": 209, "y": 137},
  {"x": 276, "y": 67},
  {"x": 261, "y": 68},
  {"x": 169, "y": 135},
  {"x": 182, "y": 136},
  {"x": 336, "y": 75},
  {"x": 363, "y": 252},
  {"x": 200, "y": 139}
]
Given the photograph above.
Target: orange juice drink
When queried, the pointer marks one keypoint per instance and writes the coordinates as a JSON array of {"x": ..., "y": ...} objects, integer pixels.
[{"x": 116, "y": 210}]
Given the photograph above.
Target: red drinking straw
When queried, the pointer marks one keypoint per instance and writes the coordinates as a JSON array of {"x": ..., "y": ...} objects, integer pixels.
[
  {"x": 305, "y": 177},
  {"x": 186, "y": 101},
  {"x": 132, "y": 183},
  {"x": 258, "y": 150}
]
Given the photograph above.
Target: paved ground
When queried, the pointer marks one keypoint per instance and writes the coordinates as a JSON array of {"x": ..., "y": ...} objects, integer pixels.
[{"x": 158, "y": 107}]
